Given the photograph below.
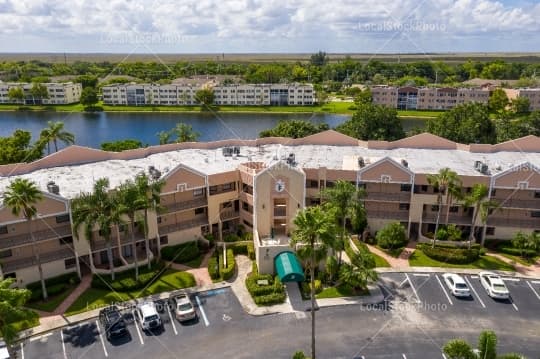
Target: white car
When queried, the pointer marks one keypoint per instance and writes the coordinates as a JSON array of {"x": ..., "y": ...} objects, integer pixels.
[
  {"x": 4, "y": 354},
  {"x": 457, "y": 285},
  {"x": 494, "y": 285},
  {"x": 148, "y": 316}
]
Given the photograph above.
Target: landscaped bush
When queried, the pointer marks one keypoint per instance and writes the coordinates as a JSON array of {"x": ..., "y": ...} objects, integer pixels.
[
  {"x": 181, "y": 253},
  {"x": 248, "y": 236},
  {"x": 125, "y": 281},
  {"x": 452, "y": 255},
  {"x": 270, "y": 294},
  {"x": 270, "y": 299},
  {"x": 232, "y": 238},
  {"x": 213, "y": 268},
  {"x": 392, "y": 236},
  {"x": 306, "y": 287},
  {"x": 54, "y": 285},
  {"x": 228, "y": 272},
  {"x": 509, "y": 249},
  {"x": 243, "y": 248}
]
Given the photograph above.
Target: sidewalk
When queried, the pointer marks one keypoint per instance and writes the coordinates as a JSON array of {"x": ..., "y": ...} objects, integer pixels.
[
  {"x": 531, "y": 271},
  {"x": 401, "y": 262}
]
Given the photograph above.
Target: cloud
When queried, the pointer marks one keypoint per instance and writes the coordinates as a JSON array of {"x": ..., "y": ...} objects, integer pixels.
[{"x": 263, "y": 24}]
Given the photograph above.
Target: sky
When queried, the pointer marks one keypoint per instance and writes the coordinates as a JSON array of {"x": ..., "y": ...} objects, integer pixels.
[{"x": 259, "y": 26}]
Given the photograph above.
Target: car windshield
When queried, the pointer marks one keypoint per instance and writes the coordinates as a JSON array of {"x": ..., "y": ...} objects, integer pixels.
[
  {"x": 185, "y": 306},
  {"x": 499, "y": 287},
  {"x": 152, "y": 317},
  {"x": 461, "y": 285}
]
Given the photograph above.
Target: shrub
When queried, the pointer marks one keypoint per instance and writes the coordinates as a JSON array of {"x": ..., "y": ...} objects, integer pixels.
[
  {"x": 482, "y": 251},
  {"x": 54, "y": 285},
  {"x": 227, "y": 273},
  {"x": 248, "y": 236},
  {"x": 125, "y": 281},
  {"x": 232, "y": 238},
  {"x": 181, "y": 253},
  {"x": 306, "y": 287},
  {"x": 450, "y": 255},
  {"x": 213, "y": 268},
  {"x": 392, "y": 236},
  {"x": 210, "y": 238},
  {"x": 515, "y": 251},
  {"x": 265, "y": 294},
  {"x": 270, "y": 299}
]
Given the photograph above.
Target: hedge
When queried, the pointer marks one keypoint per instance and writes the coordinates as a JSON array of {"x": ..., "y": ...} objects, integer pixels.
[
  {"x": 54, "y": 285},
  {"x": 228, "y": 272},
  {"x": 181, "y": 253},
  {"x": 243, "y": 248},
  {"x": 213, "y": 268},
  {"x": 450, "y": 255},
  {"x": 270, "y": 299},
  {"x": 509, "y": 249},
  {"x": 270, "y": 294},
  {"x": 125, "y": 281},
  {"x": 232, "y": 238},
  {"x": 306, "y": 287}
]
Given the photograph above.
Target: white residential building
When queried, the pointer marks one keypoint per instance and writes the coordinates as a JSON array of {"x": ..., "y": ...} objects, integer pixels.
[{"x": 59, "y": 93}]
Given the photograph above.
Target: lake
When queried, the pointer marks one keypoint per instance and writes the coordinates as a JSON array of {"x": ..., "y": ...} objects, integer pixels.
[{"x": 91, "y": 129}]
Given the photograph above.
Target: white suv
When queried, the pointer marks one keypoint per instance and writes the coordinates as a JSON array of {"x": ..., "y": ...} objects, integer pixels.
[
  {"x": 4, "y": 354},
  {"x": 494, "y": 285},
  {"x": 148, "y": 316}
]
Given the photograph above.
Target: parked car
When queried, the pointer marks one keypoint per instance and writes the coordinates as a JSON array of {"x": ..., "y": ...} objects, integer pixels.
[
  {"x": 457, "y": 285},
  {"x": 113, "y": 322},
  {"x": 494, "y": 285},
  {"x": 148, "y": 316},
  {"x": 182, "y": 306},
  {"x": 4, "y": 354}
]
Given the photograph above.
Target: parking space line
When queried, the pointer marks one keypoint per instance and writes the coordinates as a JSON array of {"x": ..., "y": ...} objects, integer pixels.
[
  {"x": 474, "y": 277},
  {"x": 535, "y": 281},
  {"x": 444, "y": 356},
  {"x": 404, "y": 356},
  {"x": 513, "y": 304},
  {"x": 444, "y": 290},
  {"x": 41, "y": 336},
  {"x": 22, "y": 350},
  {"x": 474, "y": 290},
  {"x": 534, "y": 290},
  {"x": 101, "y": 338},
  {"x": 63, "y": 344},
  {"x": 138, "y": 332},
  {"x": 206, "y": 322},
  {"x": 421, "y": 274},
  {"x": 172, "y": 321},
  {"x": 413, "y": 288}
]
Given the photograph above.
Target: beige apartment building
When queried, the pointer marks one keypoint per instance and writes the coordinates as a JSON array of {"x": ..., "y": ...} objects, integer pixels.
[
  {"x": 59, "y": 93},
  {"x": 184, "y": 94},
  {"x": 427, "y": 98},
  {"x": 533, "y": 94},
  {"x": 262, "y": 184}
]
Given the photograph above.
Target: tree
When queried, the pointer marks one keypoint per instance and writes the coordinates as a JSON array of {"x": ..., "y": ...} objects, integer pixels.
[
  {"x": 87, "y": 81},
  {"x": 446, "y": 182},
  {"x": 364, "y": 97},
  {"x": 121, "y": 145},
  {"x": 315, "y": 229},
  {"x": 294, "y": 129},
  {"x": 205, "y": 96},
  {"x": 164, "y": 137},
  {"x": 54, "y": 133},
  {"x": 97, "y": 209},
  {"x": 521, "y": 242},
  {"x": 184, "y": 133},
  {"x": 392, "y": 236},
  {"x": 498, "y": 100},
  {"x": 21, "y": 196},
  {"x": 17, "y": 148},
  {"x": 12, "y": 312},
  {"x": 38, "y": 91},
  {"x": 360, "y": 272},
  {"x": 331, "y": 267},
  {"x": 89, "y": 97},
  {"x": 520, "y": 105},
  {"x": 487, "y": 345},
  {"x": 458, "y": 349},
  {"x": 16, "y": 94},
  {"x": 466, "y": 123},
  {"x": 373, "y": 122},
  {"x": 478, "y": 200},
  {"x": 319, "y": 59}
]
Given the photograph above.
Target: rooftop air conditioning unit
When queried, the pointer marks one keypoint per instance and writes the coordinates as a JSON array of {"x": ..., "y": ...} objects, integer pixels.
[
  {"x": 236, "y": 150},
  {"x": 405, "y": 163},
  {"x": 53, "y": 187},
  {"x": 361, "y": 162},
  {"x": 291, "y": 160},
  {"x": 227, "y": 151},
  {"x": 478, "y": 165},
  {"x": 154, "y": 172}
]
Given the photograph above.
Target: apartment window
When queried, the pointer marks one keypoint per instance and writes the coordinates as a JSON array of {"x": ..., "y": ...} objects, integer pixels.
[
  {"x": 198, "y": 192},
  {"x": 3, "y": 230},
  {"x": 164, "y": 240},
  {"x": 490, "y": 231},
  {"x": 537, "y": 194},
  {"x": 62, "y": 218},
  {"x": 454, "y": 209},
  {"x": 213, "y": 190},
  {"x": 228, "y": 186},
  {"x": 330, "y": 184},
  {"x": 199, "y": 211},
  {"x": 434, "y": 208},
  {"x": 535, "y": 214},
  {"x": 66, "y": 240},
  {"x": 312, "y": 183},
  {"x": 127, "y": 251},
  {"x": 6, "y": 253},
  {"x": 10, "y": 275},
  {"x": 405, "y": 188},
  {"x": 70, "y": 263},
  {"x": 493, "y": 192},
  {"x": 404, "y": 206},
  {"x": 423, "y": 188},
  {"x": 247, "y": 223}
]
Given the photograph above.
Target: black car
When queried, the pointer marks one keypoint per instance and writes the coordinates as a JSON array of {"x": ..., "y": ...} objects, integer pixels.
[{"x": 113, "y": 322}]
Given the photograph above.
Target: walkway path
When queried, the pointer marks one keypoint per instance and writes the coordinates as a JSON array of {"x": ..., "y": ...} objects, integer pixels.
[
  {"x": 401, "y": 262},
  {"x": 83, "y": 286},
  {"x": 532, "y": 270}
]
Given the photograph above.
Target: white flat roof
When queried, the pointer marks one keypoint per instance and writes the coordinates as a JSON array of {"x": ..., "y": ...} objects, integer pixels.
[{"x": 75, "y": 179}]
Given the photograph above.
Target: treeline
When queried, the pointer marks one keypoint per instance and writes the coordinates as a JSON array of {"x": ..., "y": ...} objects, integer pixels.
[{"x": 318, "y": 70}]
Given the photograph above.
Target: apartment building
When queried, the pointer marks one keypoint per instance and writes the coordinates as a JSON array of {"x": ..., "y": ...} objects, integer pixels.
[
  {"x": 262, "y": 184},
  {"x": 59, "y": 93},
  {"x": 427, "y": 98},
  {"x": 184, "y": 94},
  {"x": 533, "y": 94}
]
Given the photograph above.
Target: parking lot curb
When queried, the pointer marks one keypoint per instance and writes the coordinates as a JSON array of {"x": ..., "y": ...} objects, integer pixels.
[{"x": 471, "y": 271}]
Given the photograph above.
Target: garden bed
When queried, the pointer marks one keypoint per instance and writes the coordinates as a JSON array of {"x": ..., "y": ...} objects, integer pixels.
[
  {"x": 265, "y": 289},
  {"x": 419, "y": 259}
]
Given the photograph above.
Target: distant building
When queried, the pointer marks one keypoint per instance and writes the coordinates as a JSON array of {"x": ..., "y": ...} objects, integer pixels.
[
  {"x": 183, "y": 93},
  {"x": 427, "y": 98},
  {"x": 533, "y": 94},
  {"x": 59, "y": 93}
]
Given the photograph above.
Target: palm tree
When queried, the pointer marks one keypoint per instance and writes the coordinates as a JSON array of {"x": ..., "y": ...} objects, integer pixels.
[
  {"x": 446, "y": 183},
  {"x": 315, "y": 228},
  {"x": 185, "y": 133},
  {"x": 342, "y": 198},
  {"x": 477, "y": 199},
  {"x": 164, "y": 137},
  {"x": 54, "y": 133},
  {"x": 100, "y": 209},
  {"x": 360, "y": 272},
  {"x": 21, "y": 196}
]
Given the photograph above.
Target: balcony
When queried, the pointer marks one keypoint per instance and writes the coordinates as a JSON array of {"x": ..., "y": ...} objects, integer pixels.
[
  {"x": 431, "y": 217},
  {"x": 180, "y": 206},
  {"x": 514, "y": 222},
  {"x": 403, "y": 197},
  {"x": 182, "y": 225},
  {"x": 396, "y": 215},
  {"x": 518, "y": 203},
  {"x": 21, "y": 239},
  {"x": 10, "y": 266},
  {"x": 229, "y": 214},
  {"x": 246, "y": 197}
]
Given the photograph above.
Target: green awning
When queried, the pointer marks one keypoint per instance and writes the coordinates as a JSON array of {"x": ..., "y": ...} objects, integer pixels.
[{"x": 288, "y": 267}]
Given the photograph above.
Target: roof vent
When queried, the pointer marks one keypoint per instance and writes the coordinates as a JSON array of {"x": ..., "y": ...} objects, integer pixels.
[
  {"x": 404, "y": 163},
  {"x": 361, "y": 162},
  {"x": 154, "y": 172},
  {"x": 227, "y": 151},
  {"x": 236, "y": 150},
  {"x": 481, "y": 167},
  {"x": 53, "y": 187},
  {"x": 291, "y": 160}
]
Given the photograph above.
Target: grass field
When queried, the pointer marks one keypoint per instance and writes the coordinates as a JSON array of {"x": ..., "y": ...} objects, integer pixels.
[
  {"x": 419, "y": 259},
  {"x": 51, "y": 303},
  {"x": 340, "y": 291}
]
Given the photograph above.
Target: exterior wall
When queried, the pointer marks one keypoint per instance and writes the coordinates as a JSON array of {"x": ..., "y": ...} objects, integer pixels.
[
  {"x": 187, "y": 235},
  {"x": 31, "y": 274},
  {"x": 60, "y": 93},
  {"x": 533, "y": 94}
]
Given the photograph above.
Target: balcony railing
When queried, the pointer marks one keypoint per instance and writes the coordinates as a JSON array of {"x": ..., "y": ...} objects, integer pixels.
[
  {"x": 518, "y": 203},
  {"x": 431, "y": 217},
  {"x": 397, "y": 215},
  {"x": 392, "y": 197},
  {"x": 246, "y": 197},
  {"x": 180, "y": 206},
  {"x": 21, "y": 239},
  {"x": 514, "y": 222},
  {"x": 182, "y": 225},
  {"x": 46, "y": 257},
  {"x": 229, "y": 214}
]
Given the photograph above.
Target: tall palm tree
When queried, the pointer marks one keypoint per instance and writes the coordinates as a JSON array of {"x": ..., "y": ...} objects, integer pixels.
[
  {"x": 315, "y": 228},
  {"x": 21, "y": 196},
  {"x": 445, "y": 182},
  {"x": 342, "y": 198},
  {"x": 149, "y": 193},
  {"x": 54, "y": 133},
  {"x": 99, "y": 208}
]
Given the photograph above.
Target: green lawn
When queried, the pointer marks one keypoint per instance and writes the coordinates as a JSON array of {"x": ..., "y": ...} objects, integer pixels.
[
  {"x": 419, "y": 259},
  {"x": 95, "y": 298},
  {"x": 196, "y": 262},
  {"x": 380, "y": 261},
  {"x": 340, "y": 291},
  {"x": 418, "y": 113},
  {"x": 26, "y": 324},
  {"x": 392, "y": 252},
  {"x": 52, "y": 302},
  {"x": 520, "y": 260}
]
